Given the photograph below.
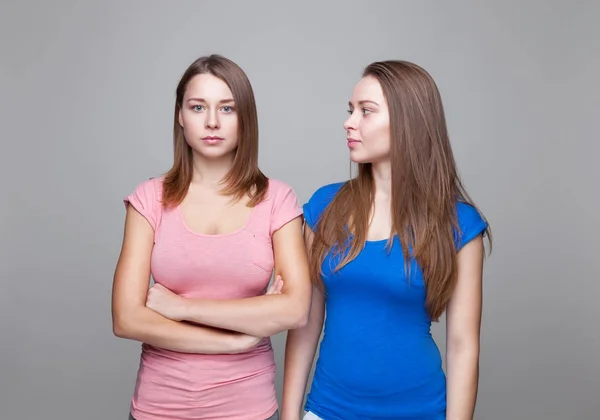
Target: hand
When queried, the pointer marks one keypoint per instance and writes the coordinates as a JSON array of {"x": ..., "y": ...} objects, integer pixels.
[
  {"x": 276, "y": 287},
  {"x": 245, "y": 342},
  {"x": 168, "y": 304},
  {"x": 287, "y": 414}
]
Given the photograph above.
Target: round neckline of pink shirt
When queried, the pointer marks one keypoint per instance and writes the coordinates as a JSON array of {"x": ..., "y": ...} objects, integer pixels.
[{"x": 220, "y": 235}]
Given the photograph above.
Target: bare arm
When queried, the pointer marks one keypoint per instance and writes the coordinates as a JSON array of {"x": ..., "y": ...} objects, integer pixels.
[
  {"x": 300, "y": 349},
  {"x": 134, "y": 321},
  {"x": 269, "y": 314},
  {"x": 463, "y": 322}
]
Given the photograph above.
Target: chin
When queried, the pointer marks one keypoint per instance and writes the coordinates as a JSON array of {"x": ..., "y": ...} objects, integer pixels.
[
  {"x": 359, "y": 158},
  {"x": 213, "y": 152}
]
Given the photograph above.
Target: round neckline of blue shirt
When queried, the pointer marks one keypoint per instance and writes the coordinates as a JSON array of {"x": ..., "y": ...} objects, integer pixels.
[{"x": 379, "y": 241}]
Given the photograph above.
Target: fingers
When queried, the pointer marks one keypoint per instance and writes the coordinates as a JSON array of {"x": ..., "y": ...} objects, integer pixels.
[
  {"x": 270, "y": 289},
  {"x": 276, "y": 286},
  {"x": 279, "y": 284}
]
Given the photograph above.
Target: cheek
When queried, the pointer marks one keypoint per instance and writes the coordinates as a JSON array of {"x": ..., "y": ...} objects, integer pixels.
[
  {"x": 192, "y": 121},
  {"x": 376, "y": 141},
  {"x": 376, "y": 132},
  {"x": 230, "y": 125},
  {"x": 383, "y": 136}
]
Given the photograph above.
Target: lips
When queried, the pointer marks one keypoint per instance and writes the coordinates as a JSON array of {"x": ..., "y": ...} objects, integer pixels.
[
  {"x": 212, "y": 139},
  {"x": 352, "y": 143}
]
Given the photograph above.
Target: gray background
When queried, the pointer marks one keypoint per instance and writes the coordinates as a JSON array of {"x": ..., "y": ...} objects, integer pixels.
[{"x": 86, "y": 114}]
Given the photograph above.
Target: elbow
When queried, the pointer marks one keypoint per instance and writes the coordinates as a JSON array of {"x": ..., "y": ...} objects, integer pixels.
[
  {"x": 293, "y": 314},
  {"x": 293, "y": 322},
  {"x": 122, "y": 327},
  {"x": 299, "y": 318},
  {"x": 303, "y": 322},
  {"x": 119, "y": 330},
  {"x": 302, "y": 318},
  {"x": 299, "y": 311},
  {"x": 299, "y": 321},
  {"x": 294, "y": 319},
  {"x": 467, "y": 347}
]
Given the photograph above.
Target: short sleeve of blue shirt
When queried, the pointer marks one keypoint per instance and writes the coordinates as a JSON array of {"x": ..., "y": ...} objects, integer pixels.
[
  {"x": 470, "y": 224},
  {"x": 319, "y": 201}
]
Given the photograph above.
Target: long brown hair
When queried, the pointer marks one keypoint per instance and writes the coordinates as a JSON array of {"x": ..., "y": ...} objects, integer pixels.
[
  {"x": 425, "y": 188},
  {"x": 244, "y": 177}
]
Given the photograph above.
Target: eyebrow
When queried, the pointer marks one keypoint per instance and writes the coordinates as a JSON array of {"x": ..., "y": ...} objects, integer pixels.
[
  {"x": 222, "y": 101},
  {"x": 365, "y": 101}
]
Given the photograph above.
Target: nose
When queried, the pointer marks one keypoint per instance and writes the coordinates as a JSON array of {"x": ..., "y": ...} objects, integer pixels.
[
  {"x": 350, "y": 123},
  {"x": 212, "y": 120}
]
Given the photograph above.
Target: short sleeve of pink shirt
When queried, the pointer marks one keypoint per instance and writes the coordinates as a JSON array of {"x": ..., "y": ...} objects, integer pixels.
[
  {"x": 285, "y": 205},
  {"x": 146, "y": 199}
]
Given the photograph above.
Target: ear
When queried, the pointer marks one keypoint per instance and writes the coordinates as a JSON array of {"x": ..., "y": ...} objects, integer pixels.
[{"x": 180, "y": 118}]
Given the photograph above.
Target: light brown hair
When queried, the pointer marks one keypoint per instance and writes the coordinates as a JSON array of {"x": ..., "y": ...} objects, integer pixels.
[
  {"x": 245, "y": 177},
  {"x": 425, "y": 188}
]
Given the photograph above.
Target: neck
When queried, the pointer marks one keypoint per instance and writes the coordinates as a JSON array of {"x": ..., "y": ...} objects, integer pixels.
[
  {"x": 382, "y": 176},
  {"x": 211, "y": 172}
]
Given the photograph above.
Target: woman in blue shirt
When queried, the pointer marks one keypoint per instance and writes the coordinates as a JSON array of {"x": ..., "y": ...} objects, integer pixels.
[{"x": 391, "y": 250}]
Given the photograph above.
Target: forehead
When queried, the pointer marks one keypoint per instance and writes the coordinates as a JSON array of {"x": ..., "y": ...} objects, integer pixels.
[
  {"x": 368, "y": 89},
  {"x": 208, "y": 87}
]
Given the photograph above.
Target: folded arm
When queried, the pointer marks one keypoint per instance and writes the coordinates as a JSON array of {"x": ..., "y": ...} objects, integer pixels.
[
  {"x": 133, "y": 320},
  {"x": 267, "y": 314}
]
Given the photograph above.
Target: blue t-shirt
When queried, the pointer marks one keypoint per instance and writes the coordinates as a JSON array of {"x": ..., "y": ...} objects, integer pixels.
[{"x": 377, "y": 358}]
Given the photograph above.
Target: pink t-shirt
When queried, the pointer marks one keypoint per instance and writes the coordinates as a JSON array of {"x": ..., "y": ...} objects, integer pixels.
[{"x": 178, "y": 386}]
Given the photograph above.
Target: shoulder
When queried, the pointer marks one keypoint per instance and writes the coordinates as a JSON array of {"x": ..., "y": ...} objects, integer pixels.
[
  {"x": 319, "y": 201},
  {"x": 466, "y": 211},
  {"x": 326, "y": 192},
  {"x": 283, "y": 203},
  {"x": 146, "y": 199},
  {"x": 277, "y": 187},
  {"x": 149, "y": 190},
  {"x": 279, "y": 192},
  {"x": 152, "y": 185},
  {"x": 323, "y": 196},
  {"x": 467, "y": 214}
]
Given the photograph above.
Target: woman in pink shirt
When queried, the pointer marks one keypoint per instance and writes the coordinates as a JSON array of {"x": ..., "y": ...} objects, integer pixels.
[{"x": 210, "y": 232}]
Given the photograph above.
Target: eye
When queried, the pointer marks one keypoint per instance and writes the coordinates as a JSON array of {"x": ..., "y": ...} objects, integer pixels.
[
  {"x": 366, "y": 111},
  {"x": 350, "y": 111},
  {"x": 227, "y": 109},
  {"x": 198, "y": 108}
]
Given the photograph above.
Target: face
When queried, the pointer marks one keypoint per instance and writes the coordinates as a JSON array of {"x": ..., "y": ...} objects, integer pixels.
[
  {"x": 208, "y": 117},
  {"x": 368, "y": 127}
]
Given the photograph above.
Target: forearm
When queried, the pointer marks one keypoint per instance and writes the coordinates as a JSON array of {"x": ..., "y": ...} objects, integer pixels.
[
  {"x": 462, "y": 383},
  {"x": 143, "y": 324},
  {"x": 260, "y": 316},
  {"x": 300, "y": 351}
]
